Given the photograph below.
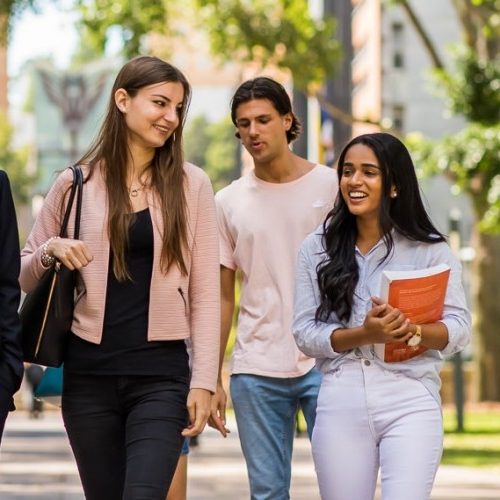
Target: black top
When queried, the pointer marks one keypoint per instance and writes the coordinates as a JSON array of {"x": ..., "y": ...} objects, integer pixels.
[{"x": 124, "y": 349}]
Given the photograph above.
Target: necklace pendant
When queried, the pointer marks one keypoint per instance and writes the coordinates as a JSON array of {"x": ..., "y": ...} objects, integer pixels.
[{"x": 134, "y": 193}]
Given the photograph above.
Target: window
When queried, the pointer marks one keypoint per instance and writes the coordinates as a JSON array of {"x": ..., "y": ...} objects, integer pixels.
[
  {"x": 397, "y": 30},
  {"x": 398, "y": 112}
]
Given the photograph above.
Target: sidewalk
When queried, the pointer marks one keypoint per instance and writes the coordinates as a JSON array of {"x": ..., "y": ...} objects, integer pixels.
[{"x": 36, "y": 463}]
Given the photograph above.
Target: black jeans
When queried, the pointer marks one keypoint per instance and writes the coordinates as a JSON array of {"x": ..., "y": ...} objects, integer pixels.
[{"x": 125, "y": 432}]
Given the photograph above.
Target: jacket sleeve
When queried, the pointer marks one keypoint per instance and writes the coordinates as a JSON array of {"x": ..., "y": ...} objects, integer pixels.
[
  {"x": 205, "y": 292},
  {"x": 11, "y": 365},
  {"x": 312, "y": 338},
  {"x": 47, "y": 224}
]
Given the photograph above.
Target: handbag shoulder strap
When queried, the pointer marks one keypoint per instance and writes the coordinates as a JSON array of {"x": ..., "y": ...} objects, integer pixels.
[
  {"x": 76, "y": 190},
  {"x": 79, "y": 181}
]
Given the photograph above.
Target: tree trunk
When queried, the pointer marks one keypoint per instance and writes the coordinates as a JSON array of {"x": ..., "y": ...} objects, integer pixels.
[
  {"x": 300, "y": 109},
  {"x": 486, "y": 331},
  {"x": 339, "y": 88},
  {"x": 422, "y": 34}
]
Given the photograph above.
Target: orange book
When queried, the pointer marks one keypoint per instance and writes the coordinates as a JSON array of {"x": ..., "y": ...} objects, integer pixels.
[{"x": 419, "y": 294}]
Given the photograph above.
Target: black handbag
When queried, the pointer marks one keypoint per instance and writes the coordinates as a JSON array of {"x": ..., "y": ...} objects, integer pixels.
[{"x": 47, "y": 311}]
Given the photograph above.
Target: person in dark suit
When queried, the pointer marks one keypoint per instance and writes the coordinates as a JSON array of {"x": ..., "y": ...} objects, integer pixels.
[{"x": 11, "y": 364}]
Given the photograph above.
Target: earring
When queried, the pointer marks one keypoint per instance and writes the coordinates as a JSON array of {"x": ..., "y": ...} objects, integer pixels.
[{"x": 394, "y": 194}]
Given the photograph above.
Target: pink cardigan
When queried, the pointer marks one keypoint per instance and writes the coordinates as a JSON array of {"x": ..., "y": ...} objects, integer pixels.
[{"x": 193, "y": 313}]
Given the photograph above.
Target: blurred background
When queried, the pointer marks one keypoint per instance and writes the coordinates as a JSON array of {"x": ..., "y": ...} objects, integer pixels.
[{"x": 427, "y": 71}]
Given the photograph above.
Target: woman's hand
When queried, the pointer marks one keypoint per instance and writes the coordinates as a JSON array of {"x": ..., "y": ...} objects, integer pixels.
[
  {"x": 198, "y": 405},
  {"x": 73, "y": 254},
  {"x": 384, "y": 323}
]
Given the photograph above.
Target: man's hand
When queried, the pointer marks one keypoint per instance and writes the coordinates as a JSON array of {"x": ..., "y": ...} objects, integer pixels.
[
  {"x": 198, "y": 405},
  {"x": 217, "y": 418}
]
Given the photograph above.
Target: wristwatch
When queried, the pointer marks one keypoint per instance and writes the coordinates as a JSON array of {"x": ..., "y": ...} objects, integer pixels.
[{"x": 416, "y": 338}]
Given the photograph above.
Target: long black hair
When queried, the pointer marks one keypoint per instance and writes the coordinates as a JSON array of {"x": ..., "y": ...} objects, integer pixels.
[{"x": 338, "y": 274}]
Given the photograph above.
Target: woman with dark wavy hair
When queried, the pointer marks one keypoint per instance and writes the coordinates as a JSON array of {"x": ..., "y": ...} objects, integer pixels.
[
  {"x": 372, "y": 413},
  {"x": 148, "y": 281}
]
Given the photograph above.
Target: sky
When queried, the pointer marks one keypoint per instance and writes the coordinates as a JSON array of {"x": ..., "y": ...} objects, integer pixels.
[{"x": 51, "y": 32}]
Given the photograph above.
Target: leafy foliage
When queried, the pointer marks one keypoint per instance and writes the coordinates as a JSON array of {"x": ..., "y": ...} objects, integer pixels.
[
  {"x": 196, "y": 140},
  {"x": 134, "y": 20},
  {"x": 269, "y": 31},
  {"x": 221, "y": 153},
  {"x": 471, "y": 159},
  {"x": 14, "y": 162},
  {"x": 213, "y": 147},
  {"x": 10, "y": 9},
  {"x": 473, "y": 88}
]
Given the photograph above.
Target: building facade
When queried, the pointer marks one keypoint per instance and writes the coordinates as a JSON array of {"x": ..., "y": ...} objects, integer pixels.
[{"x": 392, "y": 72}]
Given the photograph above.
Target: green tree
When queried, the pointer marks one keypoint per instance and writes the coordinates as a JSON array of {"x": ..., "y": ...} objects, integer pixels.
[
  {"x": 14, "y": 163},
  {"x": 221, "y": 153},
  {"x": 471, "y": 159},
  {"x": 278, "y": 32},
  {"x": 213, "y": 147},
  {"x": 196, "y": 140},
  {"x": 134, "y": 20},
  {"x": 9, "y": 10},
  {"x": 281, "y": 33}
]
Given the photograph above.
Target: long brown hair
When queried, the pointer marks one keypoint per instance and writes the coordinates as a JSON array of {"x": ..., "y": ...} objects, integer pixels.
[{"x": 110, "y": 151}]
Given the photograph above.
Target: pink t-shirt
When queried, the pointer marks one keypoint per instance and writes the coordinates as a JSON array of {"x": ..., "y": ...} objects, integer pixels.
[{"x": 261, "y": 227}]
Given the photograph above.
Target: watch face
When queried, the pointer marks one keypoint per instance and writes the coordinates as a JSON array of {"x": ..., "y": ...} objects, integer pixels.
[{"x": 414, "y": 341}]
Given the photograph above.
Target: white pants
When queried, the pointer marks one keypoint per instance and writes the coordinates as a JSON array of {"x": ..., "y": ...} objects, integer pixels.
[{"x": 369, "y": 417}]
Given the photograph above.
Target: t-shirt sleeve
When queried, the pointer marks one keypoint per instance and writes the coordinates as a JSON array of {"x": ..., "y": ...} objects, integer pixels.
[{"x": 226, "y": 240}]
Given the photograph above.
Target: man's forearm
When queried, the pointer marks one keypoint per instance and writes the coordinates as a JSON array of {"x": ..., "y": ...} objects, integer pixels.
[{"x": 227, "y": 311}]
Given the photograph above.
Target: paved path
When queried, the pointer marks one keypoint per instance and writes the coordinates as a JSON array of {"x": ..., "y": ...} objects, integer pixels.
[{"x": 36, "y": 463}]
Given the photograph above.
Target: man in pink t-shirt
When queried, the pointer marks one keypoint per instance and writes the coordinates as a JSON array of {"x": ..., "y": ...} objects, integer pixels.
[{"x": 263, "y": 218}]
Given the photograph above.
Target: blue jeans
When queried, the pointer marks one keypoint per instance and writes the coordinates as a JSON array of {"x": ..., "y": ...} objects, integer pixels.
[{"x": 266, "y": 409}]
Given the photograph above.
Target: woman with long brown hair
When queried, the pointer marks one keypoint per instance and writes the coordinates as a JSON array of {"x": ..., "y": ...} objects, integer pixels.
[{"x": 148, "y": 280}]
